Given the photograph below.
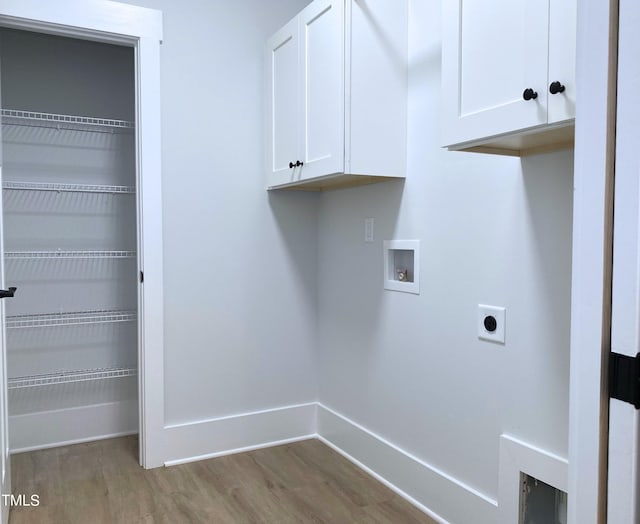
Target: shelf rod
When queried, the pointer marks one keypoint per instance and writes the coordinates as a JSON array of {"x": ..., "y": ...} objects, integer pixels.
[{"x": 67, "y": 377}]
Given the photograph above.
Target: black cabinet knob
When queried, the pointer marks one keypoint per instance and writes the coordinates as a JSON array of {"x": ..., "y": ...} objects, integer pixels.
[
  {"x": 298, "y": 163},
  {"x": 291, "y": 165},
  {"x": 529, "y": 94},
  {"x": 556, "y": 87}
]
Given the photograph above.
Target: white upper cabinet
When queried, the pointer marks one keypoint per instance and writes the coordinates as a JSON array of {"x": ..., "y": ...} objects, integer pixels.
[
  {"x": 337, "y": 96},
  {"x": 508, "y": 75}
]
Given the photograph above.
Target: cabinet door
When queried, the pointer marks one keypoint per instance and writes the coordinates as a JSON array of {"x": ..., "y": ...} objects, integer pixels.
[
  {"x": 492, "y": 52},
  {"x": 322, "y": 96},
  {"x": 562, "y": 59},
  {"x": 282, "y": 62}
]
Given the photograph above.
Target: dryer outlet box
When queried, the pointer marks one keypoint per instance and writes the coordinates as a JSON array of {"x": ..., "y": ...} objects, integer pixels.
[{"x": 491, "y": 323}]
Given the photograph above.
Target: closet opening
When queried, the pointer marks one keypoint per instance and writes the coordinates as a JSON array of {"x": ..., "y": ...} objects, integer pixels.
[{"x": 71, "y": 238}]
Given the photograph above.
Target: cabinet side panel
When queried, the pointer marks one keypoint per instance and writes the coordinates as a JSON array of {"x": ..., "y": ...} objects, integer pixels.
[{"x": 378, "y": 77}]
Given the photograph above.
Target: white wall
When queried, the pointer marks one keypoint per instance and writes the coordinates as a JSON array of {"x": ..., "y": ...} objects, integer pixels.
[
  {"x": 493, "y": 230},
  {"x": 240, "y": 264},
  {"x": 64, "y": 75},
  {"x": 251, "y": 284}
]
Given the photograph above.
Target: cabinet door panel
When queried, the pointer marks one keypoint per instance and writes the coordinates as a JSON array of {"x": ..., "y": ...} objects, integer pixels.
[
  {"x": 283, "y": 91},
  {"x": 562, "y": 59},
  {"x": 492, "y": 52},
  {"x": 322, "y": 99}
]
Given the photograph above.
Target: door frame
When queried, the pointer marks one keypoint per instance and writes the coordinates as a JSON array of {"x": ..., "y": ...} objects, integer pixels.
[
  {"x": 141, "y": 29},
  {"x": 624, "y": 418},
  {"x": 596, "y": 67}
]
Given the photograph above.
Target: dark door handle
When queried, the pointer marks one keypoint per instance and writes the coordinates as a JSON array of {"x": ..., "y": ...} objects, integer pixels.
[
  {"x": 556, "y": 87},
  {"x": 529, "y": 94},
  {"x": 8, "y": 293}
]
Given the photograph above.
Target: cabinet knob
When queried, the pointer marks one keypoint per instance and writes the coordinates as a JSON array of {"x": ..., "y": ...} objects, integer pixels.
[
  {"x": 291, "y": 165},
  {"x": 529, "y": 94},
  {"x": 556, "y": 87},
  {"x": 298, "y": 163}
]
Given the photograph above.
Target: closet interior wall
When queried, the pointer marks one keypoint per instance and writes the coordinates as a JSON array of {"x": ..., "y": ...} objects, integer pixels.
[{"x": 70, "y": 238}]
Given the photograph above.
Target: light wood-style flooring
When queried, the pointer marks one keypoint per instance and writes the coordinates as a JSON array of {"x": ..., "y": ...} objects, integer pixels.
[{"x": 101, "y": 482}]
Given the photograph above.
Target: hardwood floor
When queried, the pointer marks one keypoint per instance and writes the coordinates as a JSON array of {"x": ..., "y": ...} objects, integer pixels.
[{"x": 101, "y": 482}]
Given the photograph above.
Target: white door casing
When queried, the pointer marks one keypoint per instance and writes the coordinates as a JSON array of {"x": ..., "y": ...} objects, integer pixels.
[
  {"x": 5, "y": 460},
  {"x": 624, "y": 422},
  {"x": 140, "y": 28},
  {"x": 591, "y": 260}
]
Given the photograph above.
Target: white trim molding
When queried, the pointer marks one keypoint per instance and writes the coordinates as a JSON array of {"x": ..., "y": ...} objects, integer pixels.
[
  {"x": 227, "y": 435},
  {"x": 443, "y": 497},
  {"x": 596, "y": 64},
  {"x": 227, "y": 452},
  {"x": 49, "y": 429},
  {"x": 431, "y": 490},
  {"x": 623, "y": 497},
  {"x": 518, "y": 457},
  {"x": 150, "y": 254},
  {"x": 140, "y": 28},
  {"x": 92, "y": 16}
]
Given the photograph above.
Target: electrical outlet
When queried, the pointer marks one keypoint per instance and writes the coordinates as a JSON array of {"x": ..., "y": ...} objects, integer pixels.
[
  {"x": 491, "y": 323},
  {"x": 368, "y": 229}
]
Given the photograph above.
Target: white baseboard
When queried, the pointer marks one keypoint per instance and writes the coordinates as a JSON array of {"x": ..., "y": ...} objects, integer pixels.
[
  {"x": 235, "y": 451},
  {"x": 445, "y": 499},
  {"x": 49, "y": 429},
  {"x": 441, "y": 496},
  {"x": 436, "y": 493},
  {"x": 243, "y": 432}
]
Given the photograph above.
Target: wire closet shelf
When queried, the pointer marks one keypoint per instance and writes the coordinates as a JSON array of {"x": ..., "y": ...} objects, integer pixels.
[
  {"x": 66, "y": 377},
  {"x": 17, "y": 117},
  {"x": 67, "y": 188},
  {"x": 70, "y": 319},
  {"x": 30, "y": 255}
]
